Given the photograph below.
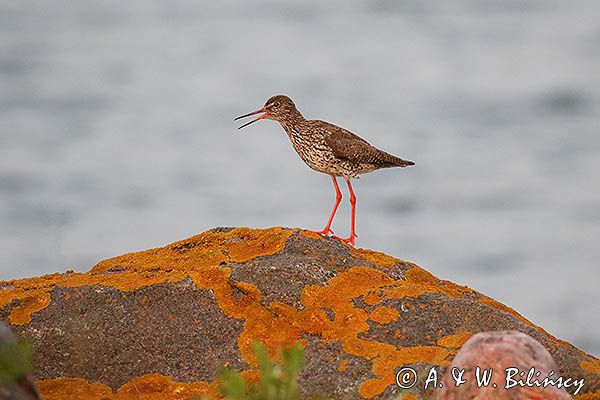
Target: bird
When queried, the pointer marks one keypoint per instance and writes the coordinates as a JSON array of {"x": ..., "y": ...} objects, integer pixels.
[{"x": 329, "y": 149}]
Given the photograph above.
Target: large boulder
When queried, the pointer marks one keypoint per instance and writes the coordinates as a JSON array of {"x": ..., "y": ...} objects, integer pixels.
[{"x": 158, "y": 324}]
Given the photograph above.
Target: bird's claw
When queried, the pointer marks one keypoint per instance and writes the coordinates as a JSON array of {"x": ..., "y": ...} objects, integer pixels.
[
  {"x": 349, "y": 240},
  {"x": 324, "y": 232}
]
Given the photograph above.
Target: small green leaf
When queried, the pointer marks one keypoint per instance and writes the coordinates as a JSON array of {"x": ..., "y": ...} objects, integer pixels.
[
  {"x": 293, "y": 359},
  {"x": 276, "y": 381},
  {"x": 15, "y": 361},
  {"x": 233, "y": 384}
]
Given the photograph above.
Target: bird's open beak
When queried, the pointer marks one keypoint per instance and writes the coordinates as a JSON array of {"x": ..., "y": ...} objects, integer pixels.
[{"x": 262, "y": 110}]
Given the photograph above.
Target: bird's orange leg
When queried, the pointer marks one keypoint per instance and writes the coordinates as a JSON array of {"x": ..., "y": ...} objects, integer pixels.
[
  {"x": 350, "y": 239},
  {"x": 338, "y": 199}
]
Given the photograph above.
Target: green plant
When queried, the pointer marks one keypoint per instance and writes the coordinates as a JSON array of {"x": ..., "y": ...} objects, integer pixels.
[
  {"x": 15, "y": 361},
  {"x": 276, "y": 381}
]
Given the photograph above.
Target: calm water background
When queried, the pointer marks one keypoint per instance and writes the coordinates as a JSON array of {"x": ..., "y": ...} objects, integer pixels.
[{"x": 116, "y": 134}]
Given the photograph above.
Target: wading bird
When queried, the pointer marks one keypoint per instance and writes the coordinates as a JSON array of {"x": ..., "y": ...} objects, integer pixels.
[{"x": 329, "y": 149}]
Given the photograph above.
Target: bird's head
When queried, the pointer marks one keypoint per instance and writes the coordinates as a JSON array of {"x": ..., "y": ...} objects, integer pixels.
[{"x": 277, "y": 108}]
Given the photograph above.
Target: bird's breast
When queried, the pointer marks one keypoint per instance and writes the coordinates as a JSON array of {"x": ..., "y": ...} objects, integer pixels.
[
  {"x": 310, "y": 146},
  {"x": 316, "y": 153}
]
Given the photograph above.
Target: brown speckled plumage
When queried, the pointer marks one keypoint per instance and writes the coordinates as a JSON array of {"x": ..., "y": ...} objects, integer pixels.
[{"x": 327, "y": 148}]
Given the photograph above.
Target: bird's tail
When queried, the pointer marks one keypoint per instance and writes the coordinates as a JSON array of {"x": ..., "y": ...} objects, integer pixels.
[{"x": 393, "y": 161}]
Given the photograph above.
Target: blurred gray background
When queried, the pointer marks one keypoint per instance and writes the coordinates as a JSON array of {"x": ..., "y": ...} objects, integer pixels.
[{"x": 116, "y": 134}]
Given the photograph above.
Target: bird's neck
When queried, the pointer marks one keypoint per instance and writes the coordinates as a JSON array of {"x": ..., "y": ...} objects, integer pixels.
[{"x": 292, "y": 120}]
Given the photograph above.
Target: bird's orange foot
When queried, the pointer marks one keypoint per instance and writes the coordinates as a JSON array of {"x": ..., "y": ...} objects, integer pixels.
[
  {"x": 325, "y": 231},
  {"x": 349, "y": 239}
]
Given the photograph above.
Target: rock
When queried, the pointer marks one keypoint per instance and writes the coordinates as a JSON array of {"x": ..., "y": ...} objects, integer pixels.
[
  {"x": 159, "y": 323},
  {"x": 18, "y": 387},
  {"x": 497, "y": 352}
]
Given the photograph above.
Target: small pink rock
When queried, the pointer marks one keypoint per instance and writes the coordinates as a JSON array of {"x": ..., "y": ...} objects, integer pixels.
[{"x": 500, "y": 350}]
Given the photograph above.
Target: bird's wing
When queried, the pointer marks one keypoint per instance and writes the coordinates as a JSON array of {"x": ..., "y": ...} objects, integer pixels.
[
  {"x": 331, "y": 130},
  {"x": 352, "y": 149},
  {"x": 348, "y": 146},
  {"x": 345, "y": 144}
]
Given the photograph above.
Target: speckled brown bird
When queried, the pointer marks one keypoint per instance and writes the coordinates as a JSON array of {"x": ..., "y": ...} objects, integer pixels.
[{"x": 329, "y": 149}]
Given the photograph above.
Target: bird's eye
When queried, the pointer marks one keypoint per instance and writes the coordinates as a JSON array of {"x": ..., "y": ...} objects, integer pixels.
[{"x": 276, "y": 104}]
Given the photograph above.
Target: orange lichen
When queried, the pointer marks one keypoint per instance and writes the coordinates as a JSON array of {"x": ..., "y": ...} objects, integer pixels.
[
  {"x": 588, "y": 396},
  {"x": 384, "y": 315},
  {"x": 372, "y": 298},
  {"x": 454, "y": 341},
  {"x": 350, "y": 321},
  {"x": 409, "y": 397},
  {"x": 418, "y": 282},
  {"x": 73, "y": 388},
  {"x": 172, "y": 263},
  {"x": 390, "y": 358},
  {"x": 207, "y": 249},
  {"x": 593, "y": 365},
  {"x": 21, "y": 314},
  {"x": 310, "y": 234},
  {"x": 279, "y": 325},
  {"x": 376, "y": 258},
  {"x": 159, "y": 387},
  {"x": 343, "y": 366},
  {"x": 146, "y": 387}
]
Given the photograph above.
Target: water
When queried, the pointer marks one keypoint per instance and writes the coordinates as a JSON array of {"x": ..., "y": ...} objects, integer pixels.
[{"x": 116, "y": 135}]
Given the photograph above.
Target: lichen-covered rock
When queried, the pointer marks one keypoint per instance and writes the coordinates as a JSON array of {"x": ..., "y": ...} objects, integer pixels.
[
  {"x": 502, "y": 354},
  {"x": 159, "y": 323}
]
